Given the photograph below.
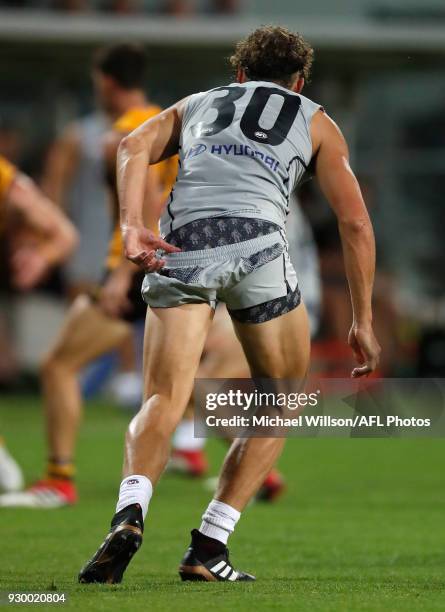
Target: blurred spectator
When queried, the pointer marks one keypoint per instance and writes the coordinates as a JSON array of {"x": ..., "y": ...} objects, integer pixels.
[
  {"x": 72, "y": 6},
  {"x": 181, "y": 8},
  {"x": 122, "y": 7},
  {"x": 226, "y": 6},
  {"x": 14, "y": 3},
  {"x": 177, "y": 8}
]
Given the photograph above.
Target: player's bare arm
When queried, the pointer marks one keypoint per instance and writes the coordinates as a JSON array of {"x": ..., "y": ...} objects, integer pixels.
[
  {"x": 61, "y": 165},
  {"x": 113, "y": 298},
  {"x": 59, "y": 237},
  {"x": 341, "y": 188},
  {"x": 154, "y": 141},
  {"x": 154, "y": 201}
]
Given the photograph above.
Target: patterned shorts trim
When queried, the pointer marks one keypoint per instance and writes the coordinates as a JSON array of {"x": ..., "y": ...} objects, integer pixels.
[
  {"x": 218, "y": 231},
  {"x": 268, "y": 310}
]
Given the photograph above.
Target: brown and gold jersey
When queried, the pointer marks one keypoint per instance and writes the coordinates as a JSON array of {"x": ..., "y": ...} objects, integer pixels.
[
  {"x": 166, "y": 170},
  {"x": 7, "y": 175}
]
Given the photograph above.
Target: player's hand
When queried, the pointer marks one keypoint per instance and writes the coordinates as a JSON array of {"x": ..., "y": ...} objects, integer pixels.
[
  {"x": 141, "y": 245},
  {"x": 113, "y": 298},
  {"x": 366, "y": 350},
  {"x": 29, "y": 267}
]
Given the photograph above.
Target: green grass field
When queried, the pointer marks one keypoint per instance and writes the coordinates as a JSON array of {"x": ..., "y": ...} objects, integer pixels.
[{"x": 362, "y": 527}]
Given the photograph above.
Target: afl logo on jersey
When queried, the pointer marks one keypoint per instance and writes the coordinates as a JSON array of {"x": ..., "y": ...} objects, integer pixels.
[
  {"x": 196, "y": 150},
  {"x": 261, "y": 135}
]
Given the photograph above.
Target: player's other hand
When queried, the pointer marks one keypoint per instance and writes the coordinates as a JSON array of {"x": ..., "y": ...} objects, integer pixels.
[
  {"x": 29, "y": 267},
  {"x": 113, "y": 298},
  {"x": 141, "y": 245},
  {"x": 366, "y": 350}
]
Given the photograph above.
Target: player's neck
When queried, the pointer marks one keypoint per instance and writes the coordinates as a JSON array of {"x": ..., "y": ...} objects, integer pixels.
[
  {"x": 131, "y": 99},
  {"x": 289, "y": 86}
]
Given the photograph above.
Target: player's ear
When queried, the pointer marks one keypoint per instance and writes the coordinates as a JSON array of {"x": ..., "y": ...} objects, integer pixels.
[
  {"x": 298, "y": 85},
  {"x": 241, "y": 76}
]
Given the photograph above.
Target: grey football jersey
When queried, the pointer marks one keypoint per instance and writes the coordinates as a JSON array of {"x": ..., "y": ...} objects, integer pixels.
[{"x": 243, "y": 149}]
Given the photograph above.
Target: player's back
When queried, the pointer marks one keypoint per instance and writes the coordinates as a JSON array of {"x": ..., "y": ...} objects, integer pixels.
[{"x": 243, "y": 148}]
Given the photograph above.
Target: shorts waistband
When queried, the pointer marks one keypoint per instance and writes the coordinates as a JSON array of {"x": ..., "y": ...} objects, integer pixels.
[{"x": 227, "y": 251}]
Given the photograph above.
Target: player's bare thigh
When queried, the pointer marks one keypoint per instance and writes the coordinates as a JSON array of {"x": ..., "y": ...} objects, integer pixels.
[
  {"x": 279, "y": 348},
  {"x": 86, "y": 334},
  {"x": 173, "y": 345},
  {"x": 223, "y": 354}
]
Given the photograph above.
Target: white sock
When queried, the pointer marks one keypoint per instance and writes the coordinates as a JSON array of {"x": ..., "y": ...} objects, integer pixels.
[
  {"x": 219, "y": 521},
  {"x": 135, "y": 489},
  {"x": 184, "y": 437}
]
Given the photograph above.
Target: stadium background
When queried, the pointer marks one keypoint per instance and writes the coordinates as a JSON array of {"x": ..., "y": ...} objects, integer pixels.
[{"x": 379, "y": 72}]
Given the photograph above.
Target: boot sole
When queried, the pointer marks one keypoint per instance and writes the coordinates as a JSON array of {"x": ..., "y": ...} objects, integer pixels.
[{"x": 196, "y": 573}]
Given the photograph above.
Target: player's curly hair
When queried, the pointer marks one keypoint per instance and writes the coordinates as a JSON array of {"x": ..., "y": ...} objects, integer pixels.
[{"x": 273, "y": 53}]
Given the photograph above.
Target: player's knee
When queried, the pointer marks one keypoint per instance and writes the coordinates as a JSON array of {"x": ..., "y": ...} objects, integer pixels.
[
  {"x": 53, "y": 364},
  {"x": 49, "y": 365}
]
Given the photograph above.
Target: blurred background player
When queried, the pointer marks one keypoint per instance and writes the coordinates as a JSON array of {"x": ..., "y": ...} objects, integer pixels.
[
  {"x": 44, "y": 238},
  {"x": 96, "y": 324},
  {"x": 73, "y": 177}
]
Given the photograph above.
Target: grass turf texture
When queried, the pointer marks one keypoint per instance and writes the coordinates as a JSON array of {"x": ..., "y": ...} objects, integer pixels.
[{"x": 360, "y": 528}]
